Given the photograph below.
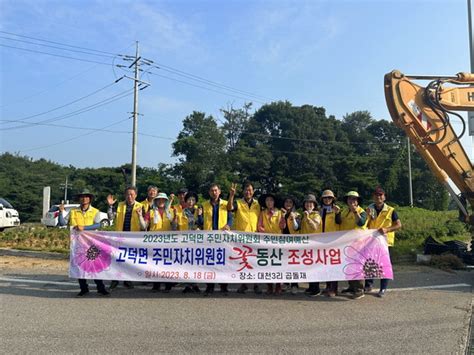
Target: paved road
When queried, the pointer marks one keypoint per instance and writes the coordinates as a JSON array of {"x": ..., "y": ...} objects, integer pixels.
[{"x": 44, "y": 316}]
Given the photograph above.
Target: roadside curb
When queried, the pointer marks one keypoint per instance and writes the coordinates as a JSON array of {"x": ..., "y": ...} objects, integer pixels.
[{"x": 33, "y": 254}]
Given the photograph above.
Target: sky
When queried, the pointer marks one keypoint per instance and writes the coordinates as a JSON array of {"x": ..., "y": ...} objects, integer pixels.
[{"x": 207, "y": 55}]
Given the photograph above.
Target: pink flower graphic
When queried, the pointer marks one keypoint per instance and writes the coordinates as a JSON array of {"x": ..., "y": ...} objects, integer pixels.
[
  {"x": 367, "y": 259},
  {"x": 92, "y": 253}
]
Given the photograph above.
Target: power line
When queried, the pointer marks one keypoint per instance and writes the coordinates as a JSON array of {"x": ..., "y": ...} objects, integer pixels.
[
  {"x": 311, "y": 140},
  {"x": 77, "y": 112},
  {"x": 59, "y": 43},
  {"x": 209, "y": 82},
  {"x": 72, "y": 138},
  {"x": 206, "y": 88},
  {"x": 56, "y": 47},
  {"x": 65, "y": 105},
  {"x": 55, "y": 55}
]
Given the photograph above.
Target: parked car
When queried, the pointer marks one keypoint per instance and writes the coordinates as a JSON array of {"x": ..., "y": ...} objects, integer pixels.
[
  {"x": 9, "y": 216},
  {"x": 51, "y": 217}
]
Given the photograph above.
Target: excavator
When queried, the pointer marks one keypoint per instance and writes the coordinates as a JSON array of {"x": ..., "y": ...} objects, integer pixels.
[{"x": 424, "y": 114}]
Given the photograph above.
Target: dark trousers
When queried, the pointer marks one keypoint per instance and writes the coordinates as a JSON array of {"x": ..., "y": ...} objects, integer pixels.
[
  {"x": 356, "y": 285},
  {"x": 210, "y": 287},
  {"x": 383, "y": 283},
  {"x": 84, "y": 287},
  {"x": 314, "y": 286}
]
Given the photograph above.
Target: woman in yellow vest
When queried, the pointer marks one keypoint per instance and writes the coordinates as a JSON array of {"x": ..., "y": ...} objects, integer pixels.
[
  {"x": 292, "y": 219},
  {"x": 330, "y": 220},
  {"x": 190, "y": 219},
  {"x": 385, "y": 219},
  {"x": 161, "y": 218},
  {"x": 271, "y": 220},
  {"x": 354, "y": 217},
  {"x": 310, "y": 224}
]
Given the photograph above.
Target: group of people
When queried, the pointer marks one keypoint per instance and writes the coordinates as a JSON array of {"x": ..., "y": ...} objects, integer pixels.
[{"x": 267, "y": 214}]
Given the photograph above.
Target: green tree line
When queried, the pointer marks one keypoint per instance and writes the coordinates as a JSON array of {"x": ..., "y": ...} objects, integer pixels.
[{"x": 280, "y": 147}]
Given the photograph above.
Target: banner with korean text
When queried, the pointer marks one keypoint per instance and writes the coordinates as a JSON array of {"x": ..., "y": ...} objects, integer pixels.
[{"x": 228, "y": 256}]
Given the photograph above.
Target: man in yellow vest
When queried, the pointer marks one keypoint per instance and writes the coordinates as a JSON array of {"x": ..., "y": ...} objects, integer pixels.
[
  {"x": 85, "y": 217},
  {"x": 353, "y": 218},
  {"x": 151, "y": 193},
  {"x": 128, "y": 218},
  {"x": 216, "y": 217},
  {"x": 246, "y": 211},
  {"x": 385, "y": 219}
]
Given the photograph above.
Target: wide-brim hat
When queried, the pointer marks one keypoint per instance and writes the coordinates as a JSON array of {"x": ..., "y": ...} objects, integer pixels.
[
  {"x": 311, "y": 198},
  {"x": 328, "y": 193},
  {"x": 353, "y": 194},
  {"x": 263, "y": 197},
  {"x": 191, "y": 194},
  {"x": 161, "y": 195},
  {"x": 85, "y": 192}
]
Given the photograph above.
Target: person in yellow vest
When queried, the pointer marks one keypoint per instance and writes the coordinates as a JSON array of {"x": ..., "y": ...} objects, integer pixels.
[
  {"x": 161, "y": 218},
  {"x": 85, "y": 217},
  {"x": 182, "y": 222},
  {"x": 385, "y": 219},
  {"x": 128, "y": 218},
  {"x": 330, "y": 220},
  {"x": 292, "y": 219},
  {"x": 310, "y": 223},
  {"x": 191, "y": 219},
  {"x": 151, "y": 192},
  {"x": 246, "y": 211},
  {"x": 216, "y": 217},
  {"x": 271, "y": 220},
  {"x": 353, "y": 218}
]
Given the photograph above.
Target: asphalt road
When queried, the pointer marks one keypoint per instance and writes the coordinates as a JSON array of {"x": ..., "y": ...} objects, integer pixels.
[{"x": 45, "y": 317}]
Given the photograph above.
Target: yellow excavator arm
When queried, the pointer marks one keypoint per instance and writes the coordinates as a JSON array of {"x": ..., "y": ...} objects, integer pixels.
[{"x": 424, "y": 114}]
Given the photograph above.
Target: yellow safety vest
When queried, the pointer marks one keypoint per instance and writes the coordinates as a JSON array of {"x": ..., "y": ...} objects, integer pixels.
[
  {"x": 162, "y": 224},
  {"x": 207, "y": 214},
  {"x": 349, "y": 220},
  {"x": 245, "y": 218},
  {"x": 330, "y": 224},
  {"x": 79, "y": 218},
  {"x": 134, "y": 223},
  {"x": 183, "y": 223},
  {"x": 306, "y": 227},
  {"x": 271, "y": 224},
  {"x": 383, "y": 220},
  {"x": 146, "y": 204}
]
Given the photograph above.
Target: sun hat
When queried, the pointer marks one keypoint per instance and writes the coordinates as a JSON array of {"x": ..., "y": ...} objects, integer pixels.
[
  {"x": 353, "y": 194},
  {"x": 85, "y": 192}
]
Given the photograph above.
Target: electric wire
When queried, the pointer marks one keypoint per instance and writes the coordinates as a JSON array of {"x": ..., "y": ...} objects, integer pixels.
[
  {"x": 77, "y": 112},
  {"x": 209, "y": 82},
  {"x": 55, "y": 55},
  {"x": 72, "y": 138},
  {"x": 56, "y": 47},
  {"x": 66, "y": 104},
  {"x": 206, "y": 88},
  {"x": 59, "y": 43}
]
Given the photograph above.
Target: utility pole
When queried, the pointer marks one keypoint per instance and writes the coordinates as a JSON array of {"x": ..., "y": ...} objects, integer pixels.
[
  {"x": 135, "y": 63},
  {"x": 65, "y": 186},
  {"x": 410, "y": 187}
]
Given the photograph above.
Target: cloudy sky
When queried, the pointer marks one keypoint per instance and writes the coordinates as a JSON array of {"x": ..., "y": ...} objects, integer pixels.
[{"x": 64, "y": 105}]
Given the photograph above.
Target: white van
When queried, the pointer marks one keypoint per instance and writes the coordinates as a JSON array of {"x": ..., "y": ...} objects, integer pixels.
[{"x": 9, "y": 216}]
